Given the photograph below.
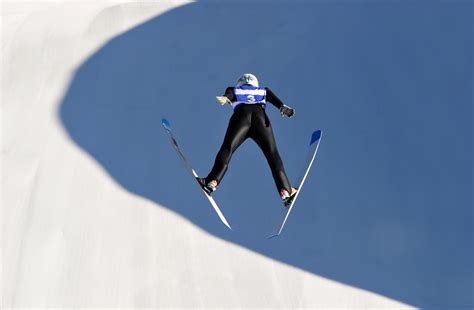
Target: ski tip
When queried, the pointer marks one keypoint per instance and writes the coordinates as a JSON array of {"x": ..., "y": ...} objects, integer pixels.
[
  {"x": 166, "y": 123},
  {"x": 315, "y": 136}
]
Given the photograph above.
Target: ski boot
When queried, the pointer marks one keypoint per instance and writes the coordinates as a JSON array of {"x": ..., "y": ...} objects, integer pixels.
[
  {"x": 287, "y": 197},
  {"x": 208, "y": 187}
]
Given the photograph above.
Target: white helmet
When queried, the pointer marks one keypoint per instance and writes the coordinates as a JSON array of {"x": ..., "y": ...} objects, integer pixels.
[{"x": 249, "y": 79}]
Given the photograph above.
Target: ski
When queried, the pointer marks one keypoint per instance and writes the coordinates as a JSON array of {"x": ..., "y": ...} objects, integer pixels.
[
  {"x": 313, "y": 149},
  {"x": 167, "y": 126}
]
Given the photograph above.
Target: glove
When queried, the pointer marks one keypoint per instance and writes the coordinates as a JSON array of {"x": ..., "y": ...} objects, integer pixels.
[
  {"x": 223, "y": 100},
  {"x": 287, "y": 111}
]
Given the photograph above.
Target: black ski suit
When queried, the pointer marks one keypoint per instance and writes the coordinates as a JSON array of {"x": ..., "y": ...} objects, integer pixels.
[{"x": 251, "y": 121}]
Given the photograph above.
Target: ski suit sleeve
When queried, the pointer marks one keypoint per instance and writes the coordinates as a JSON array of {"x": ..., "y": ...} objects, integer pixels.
[
  {"x": 273, "y": 99},
  {"x": 229, "y": 93}
]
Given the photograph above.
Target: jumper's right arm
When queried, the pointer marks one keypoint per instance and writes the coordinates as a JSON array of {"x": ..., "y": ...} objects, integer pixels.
[{"x": 284, "y": 109}]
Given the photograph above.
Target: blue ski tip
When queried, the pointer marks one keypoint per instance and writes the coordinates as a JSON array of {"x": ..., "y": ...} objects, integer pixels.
[
  {"x": 273, "y": 236},
  {"x": 166, "y": 123},
  {"x": 315, "y": 137}
]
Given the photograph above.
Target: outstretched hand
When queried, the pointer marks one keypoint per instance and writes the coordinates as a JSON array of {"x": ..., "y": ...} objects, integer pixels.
[
  {"x": 223, "y": 100},
  {"x": 287, "y": 111}
]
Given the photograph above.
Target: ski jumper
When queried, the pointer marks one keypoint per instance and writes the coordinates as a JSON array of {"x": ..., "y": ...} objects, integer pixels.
[{"x": 249, "y": 120}]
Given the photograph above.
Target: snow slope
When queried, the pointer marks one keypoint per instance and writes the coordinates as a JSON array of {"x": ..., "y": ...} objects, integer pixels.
[{"x": 98, "y": 211}]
